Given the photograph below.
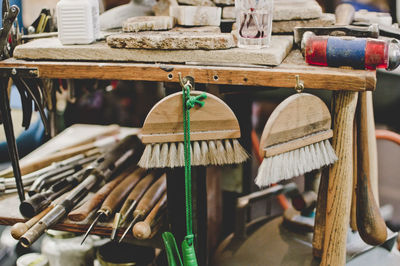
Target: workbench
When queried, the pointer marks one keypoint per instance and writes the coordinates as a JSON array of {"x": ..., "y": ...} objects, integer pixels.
[{"x": 244, "y": 77}]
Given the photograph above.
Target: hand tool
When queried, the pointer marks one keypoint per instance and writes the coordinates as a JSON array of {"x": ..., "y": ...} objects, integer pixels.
[
  {"x": 370, "y": 224},
  {"x": 295, "y": 139},
  {"x": 32, "y": 206},
  {"x": 384, "y": 30},
  {"x": 9, "y": 14},
  {"x": 143, "y": 230},
  {"x": 59, "y": 173},
  {"x": 214, "y": 132},
  {"x": 137, "y": 193},
  {"x": 114, "y": 199},
  {"x": 149, "y": 199},
  {"x": 83, "y": 211},
  {"x": 127, "y": 150}
]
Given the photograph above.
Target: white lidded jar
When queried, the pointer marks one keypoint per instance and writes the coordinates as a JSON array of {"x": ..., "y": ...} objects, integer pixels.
[
  {"x": 75, "y": 21},
  {"x": 96, "y": 18}
]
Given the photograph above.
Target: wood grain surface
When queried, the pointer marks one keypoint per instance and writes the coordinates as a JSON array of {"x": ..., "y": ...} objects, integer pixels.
[
  {"x": 164, "y": 123},
  {"x": 284, "y": 75},
  {"x": 340, "y": 180}
]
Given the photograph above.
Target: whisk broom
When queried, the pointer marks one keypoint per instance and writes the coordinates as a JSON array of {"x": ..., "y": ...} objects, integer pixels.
[
  {"x": 214, "y": 131},
  {"x": 295, "y": 139}
]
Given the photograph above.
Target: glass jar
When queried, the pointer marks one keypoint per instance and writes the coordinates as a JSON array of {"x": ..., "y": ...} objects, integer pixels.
[{"x": 64, "y": 248}]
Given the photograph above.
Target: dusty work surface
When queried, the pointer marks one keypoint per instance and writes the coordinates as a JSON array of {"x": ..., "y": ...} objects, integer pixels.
[
  {"x": 52, "y": 49},
  {"x": 9, "y": 215}
]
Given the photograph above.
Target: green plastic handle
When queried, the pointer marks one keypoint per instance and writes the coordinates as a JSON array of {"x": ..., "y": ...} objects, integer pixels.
[
  {"x": 188, "y": 254},
  {"x": 173, "y": 256}
]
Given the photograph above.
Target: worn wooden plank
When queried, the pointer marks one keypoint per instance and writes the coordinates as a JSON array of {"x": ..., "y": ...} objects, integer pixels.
[
  {"x": 284, "y": 75},
  {"x": 52, "y": 49}
]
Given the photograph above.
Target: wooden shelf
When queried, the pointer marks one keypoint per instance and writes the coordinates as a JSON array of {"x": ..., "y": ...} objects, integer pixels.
[{"x": 284, "y": 75}]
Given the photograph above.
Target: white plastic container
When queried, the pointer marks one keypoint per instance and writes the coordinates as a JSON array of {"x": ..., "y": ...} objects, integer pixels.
[
  {"x": 96, "y": 18},
  {"x": 75, "y": 21}
]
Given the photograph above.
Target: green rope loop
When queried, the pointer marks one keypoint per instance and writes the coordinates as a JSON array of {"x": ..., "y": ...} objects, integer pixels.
[{"x": 188, "y": 103}]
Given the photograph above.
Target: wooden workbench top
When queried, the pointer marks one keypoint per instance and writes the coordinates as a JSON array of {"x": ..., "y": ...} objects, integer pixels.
[{"x": 284, "y": 75}]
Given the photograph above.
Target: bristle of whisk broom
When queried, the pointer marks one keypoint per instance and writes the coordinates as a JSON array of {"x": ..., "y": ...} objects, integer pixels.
[
  {"x": 221, "y": 153},
  {"x": 205, "y": 158},
  {"x": 181, "y": 155},
  {"x": 230, "y": 154},
  {"x": 196, "y": 153},
  {"x": 164, "y": 155},
  {"x": 155, "y": 156},
  {"x": 146, "y": 156},
  {"x": 240, "y": 153},
  {"x": 172, "y": 155},
  {"x": 212, "y": 152},
  {"x": 294, "y": 163}
]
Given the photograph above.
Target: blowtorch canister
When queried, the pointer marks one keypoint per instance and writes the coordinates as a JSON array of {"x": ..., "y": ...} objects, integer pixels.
[{"x": 358, "y": 53}]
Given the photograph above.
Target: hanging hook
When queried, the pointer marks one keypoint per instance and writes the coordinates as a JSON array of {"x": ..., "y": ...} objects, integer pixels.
[
  {"x": 186, "y": 81},
  {"x": 299, "y": 87}
]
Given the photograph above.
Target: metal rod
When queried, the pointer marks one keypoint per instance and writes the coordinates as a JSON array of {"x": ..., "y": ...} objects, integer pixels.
[
  {"x": 129, "y": 227},
  {"x": 9, "y": 131},
  {"x": 91, "y": 226}
]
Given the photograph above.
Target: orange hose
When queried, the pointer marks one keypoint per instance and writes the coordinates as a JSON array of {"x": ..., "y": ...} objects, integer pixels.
[
  {"x": 387, "y": 135},
  {"x": 282, "y": 200}
]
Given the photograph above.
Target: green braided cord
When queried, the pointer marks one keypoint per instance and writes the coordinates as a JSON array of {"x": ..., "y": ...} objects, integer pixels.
[{"x": 188, "y": 103}]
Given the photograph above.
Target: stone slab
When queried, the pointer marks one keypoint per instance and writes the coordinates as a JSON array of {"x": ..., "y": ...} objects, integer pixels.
[
  {"x": 286, "y": 10},
  {"x": 210, "y": 29},
  {"x": 172, "y": 40},
  {"x": 289, "y": 25},
  {"x": 296, "y": 9},
  {"x": 197, "y": 2},
  {"x": 52, "y": 49},
  {"x": 225, "y": 2},
  {"x": 161, "y": 8},
  {"x": 146, "y": 23},
  {"x": 196, "y": 15}
]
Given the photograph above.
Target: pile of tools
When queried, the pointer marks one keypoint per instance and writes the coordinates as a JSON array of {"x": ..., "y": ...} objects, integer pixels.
[{"x": 64, "y": 189}]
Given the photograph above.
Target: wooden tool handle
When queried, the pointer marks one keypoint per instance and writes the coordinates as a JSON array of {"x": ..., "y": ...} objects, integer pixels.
[
  {"x": 370, "y": 224},
  {"x": 138, "y": 191},
  {"x": 94, "y": 202},
  {"x": 344, "y": 14},
  {"x": 121, "y": 191},
  {"x": 319, "y": 221},
  {"x": 142, "y": 230},
  {"x": 151, "y": 196},
  {"x": 19, "y": 229},
  {"x": 340, "y": 180}
]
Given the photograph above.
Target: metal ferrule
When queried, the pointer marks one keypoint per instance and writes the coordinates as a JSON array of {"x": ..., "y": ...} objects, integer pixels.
[{"x": 393, "y": 54}]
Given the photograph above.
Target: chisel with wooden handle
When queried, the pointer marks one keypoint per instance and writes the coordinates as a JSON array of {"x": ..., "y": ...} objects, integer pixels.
[
  {"x": 114, "y": 199},
  {"x": 137, "y": 193},
  {"x": 143, "y": 230},
  {"x": 83, "y": 211},
  {"x": 149, "y": 199}
]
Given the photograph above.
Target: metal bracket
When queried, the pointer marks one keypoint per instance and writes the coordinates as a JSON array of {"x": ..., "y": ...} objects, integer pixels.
[{"x": 22, "y": 72}]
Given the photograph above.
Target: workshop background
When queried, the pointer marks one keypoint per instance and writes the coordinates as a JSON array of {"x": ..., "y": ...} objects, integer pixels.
[{"x": 127, "y": 103}]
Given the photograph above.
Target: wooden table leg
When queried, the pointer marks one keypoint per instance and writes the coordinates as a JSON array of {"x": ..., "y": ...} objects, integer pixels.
[{"x": 340, "y": 180}]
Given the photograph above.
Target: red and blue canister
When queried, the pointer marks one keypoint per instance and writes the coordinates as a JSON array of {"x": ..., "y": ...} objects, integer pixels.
[{"x": 358, "y": 53}]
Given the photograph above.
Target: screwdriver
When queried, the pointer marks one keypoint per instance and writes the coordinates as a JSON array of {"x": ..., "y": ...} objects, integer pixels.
[
  {"x": 115, "y": 198},
  {"x": 149, "y": 199},
  {"x": 131, "y": 201},
  {"x": 142, "y": 230}
]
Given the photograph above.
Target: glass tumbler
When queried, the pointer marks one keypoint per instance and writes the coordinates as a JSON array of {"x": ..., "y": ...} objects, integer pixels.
[{"x": 254, "y": 23}]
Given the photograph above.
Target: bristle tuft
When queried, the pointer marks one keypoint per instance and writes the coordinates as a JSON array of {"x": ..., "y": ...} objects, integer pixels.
[
  {"x": 205, "y": 156},
  {"x": 294, "y": 163},
  {"x": 240, "y": 153},
  {"x": 212, "y": 152},
  {"x": 181, "y": 155},
  {"x": 172, "y": 156},
  {"x": 230, "y": 154},
  {"x": 155, "y": 156},
  {"x": 221, "y": 153},
  {"x": 164, "y": 155},
  {"x": 196, "y": 153},
  {"x": 146, "y": 156}
]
